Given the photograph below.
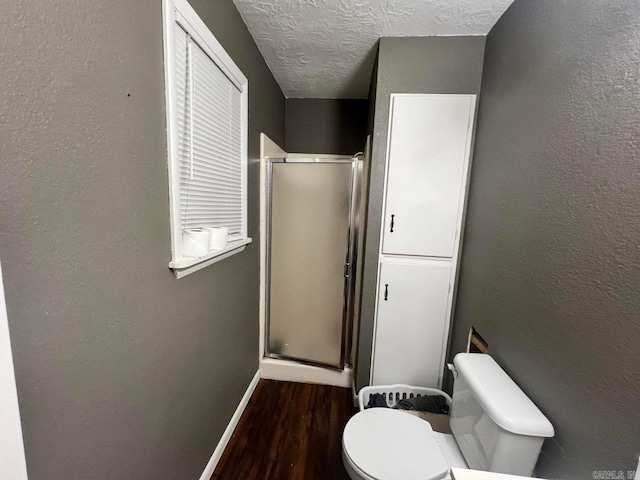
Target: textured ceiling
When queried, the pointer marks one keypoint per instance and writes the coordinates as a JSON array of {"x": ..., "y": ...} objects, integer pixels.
[{"x": 325, "y": 48}]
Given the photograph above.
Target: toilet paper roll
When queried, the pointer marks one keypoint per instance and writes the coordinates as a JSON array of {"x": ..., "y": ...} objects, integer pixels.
[
  {"x": 218, "y": 237},
  {"x": 195, "y": 242}
]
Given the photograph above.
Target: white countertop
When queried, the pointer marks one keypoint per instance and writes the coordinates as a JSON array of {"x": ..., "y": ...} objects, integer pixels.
[{"x": 466, "y": 474}]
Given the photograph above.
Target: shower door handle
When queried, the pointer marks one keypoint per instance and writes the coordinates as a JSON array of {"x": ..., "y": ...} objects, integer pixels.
[{"x": 386, "y": 292}]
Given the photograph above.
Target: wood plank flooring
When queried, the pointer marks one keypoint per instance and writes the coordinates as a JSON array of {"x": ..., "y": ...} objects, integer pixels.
[{"x": 289, "y": 431}]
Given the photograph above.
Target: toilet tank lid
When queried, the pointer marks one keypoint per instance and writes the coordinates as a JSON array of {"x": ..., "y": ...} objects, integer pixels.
[{"x": 500, "y": 397}]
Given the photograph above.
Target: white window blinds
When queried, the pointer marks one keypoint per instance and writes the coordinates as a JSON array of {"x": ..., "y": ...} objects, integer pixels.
[{"x": 209, "y": 138}]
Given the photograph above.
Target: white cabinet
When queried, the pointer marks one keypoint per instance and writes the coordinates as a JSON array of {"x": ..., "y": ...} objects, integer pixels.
[
  {"x": 427, "y": 147},
  {"x": 412, "y": 305},
  {"x": 427, "y": 166}
]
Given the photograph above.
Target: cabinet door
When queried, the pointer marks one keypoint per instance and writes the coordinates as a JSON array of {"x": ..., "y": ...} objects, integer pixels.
[
  {"x": 412, "y": 309},
  {"x": 428, "y": 153}
]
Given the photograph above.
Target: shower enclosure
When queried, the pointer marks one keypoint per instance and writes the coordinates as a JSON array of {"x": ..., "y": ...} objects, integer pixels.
[{"x": 312, "y": 238}]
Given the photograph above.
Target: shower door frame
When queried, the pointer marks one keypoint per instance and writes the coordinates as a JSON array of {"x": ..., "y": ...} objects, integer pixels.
[{"x": 350, "y": 260}]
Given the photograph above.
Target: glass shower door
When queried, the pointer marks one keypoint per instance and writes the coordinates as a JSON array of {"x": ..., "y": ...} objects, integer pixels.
[{"x": 309, "y": 238}]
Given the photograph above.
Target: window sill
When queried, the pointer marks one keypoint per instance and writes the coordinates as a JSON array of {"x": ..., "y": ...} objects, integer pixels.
[{"x": 188, "y": 265}]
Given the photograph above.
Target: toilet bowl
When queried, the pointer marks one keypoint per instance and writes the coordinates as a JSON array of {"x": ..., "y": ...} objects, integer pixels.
[
  {"x": 382, "y": 443},
  {"x": 495, "y": 426}
]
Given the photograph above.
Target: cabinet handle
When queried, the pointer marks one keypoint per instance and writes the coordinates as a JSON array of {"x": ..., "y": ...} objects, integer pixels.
[
  {"x": 392, "y": 220},
  {"x": 386, "y": 291}
]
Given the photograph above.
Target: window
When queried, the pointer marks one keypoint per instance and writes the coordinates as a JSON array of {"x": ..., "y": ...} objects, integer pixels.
[{"x": 207, "y": 139}]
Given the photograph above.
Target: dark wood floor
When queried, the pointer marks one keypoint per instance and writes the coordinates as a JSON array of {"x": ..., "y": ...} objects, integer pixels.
[{"x": 289, "y": 431}]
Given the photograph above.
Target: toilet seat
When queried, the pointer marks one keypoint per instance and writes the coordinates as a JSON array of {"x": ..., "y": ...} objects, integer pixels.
[{"x": 385, "y": 444}]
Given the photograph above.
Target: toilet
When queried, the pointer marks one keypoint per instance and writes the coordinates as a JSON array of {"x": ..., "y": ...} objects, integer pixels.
[{"x": 495, "y": 426}]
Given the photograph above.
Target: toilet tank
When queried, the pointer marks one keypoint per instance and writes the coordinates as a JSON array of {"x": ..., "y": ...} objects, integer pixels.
[{"x": 496, "y": 426}]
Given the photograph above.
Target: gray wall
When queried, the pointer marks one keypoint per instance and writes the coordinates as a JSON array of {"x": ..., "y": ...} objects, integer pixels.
[
  {"x": 373, "y": 86},
  {"x": 551, "y": 259},
  {"x": 407, "y": 65},
  {"x": 316, "y": 125},
  {"x": 122, "y": 370}
]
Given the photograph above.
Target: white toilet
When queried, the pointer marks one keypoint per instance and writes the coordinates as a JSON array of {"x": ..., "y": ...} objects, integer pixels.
[{"x": 495, "y": 426}]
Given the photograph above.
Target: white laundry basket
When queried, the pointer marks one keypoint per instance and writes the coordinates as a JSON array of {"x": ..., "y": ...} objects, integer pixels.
[{"x": 394, "y": 393}]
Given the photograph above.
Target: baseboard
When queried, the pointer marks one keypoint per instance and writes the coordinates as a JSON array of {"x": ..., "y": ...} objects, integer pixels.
[{"x": 226, "y": 436}]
